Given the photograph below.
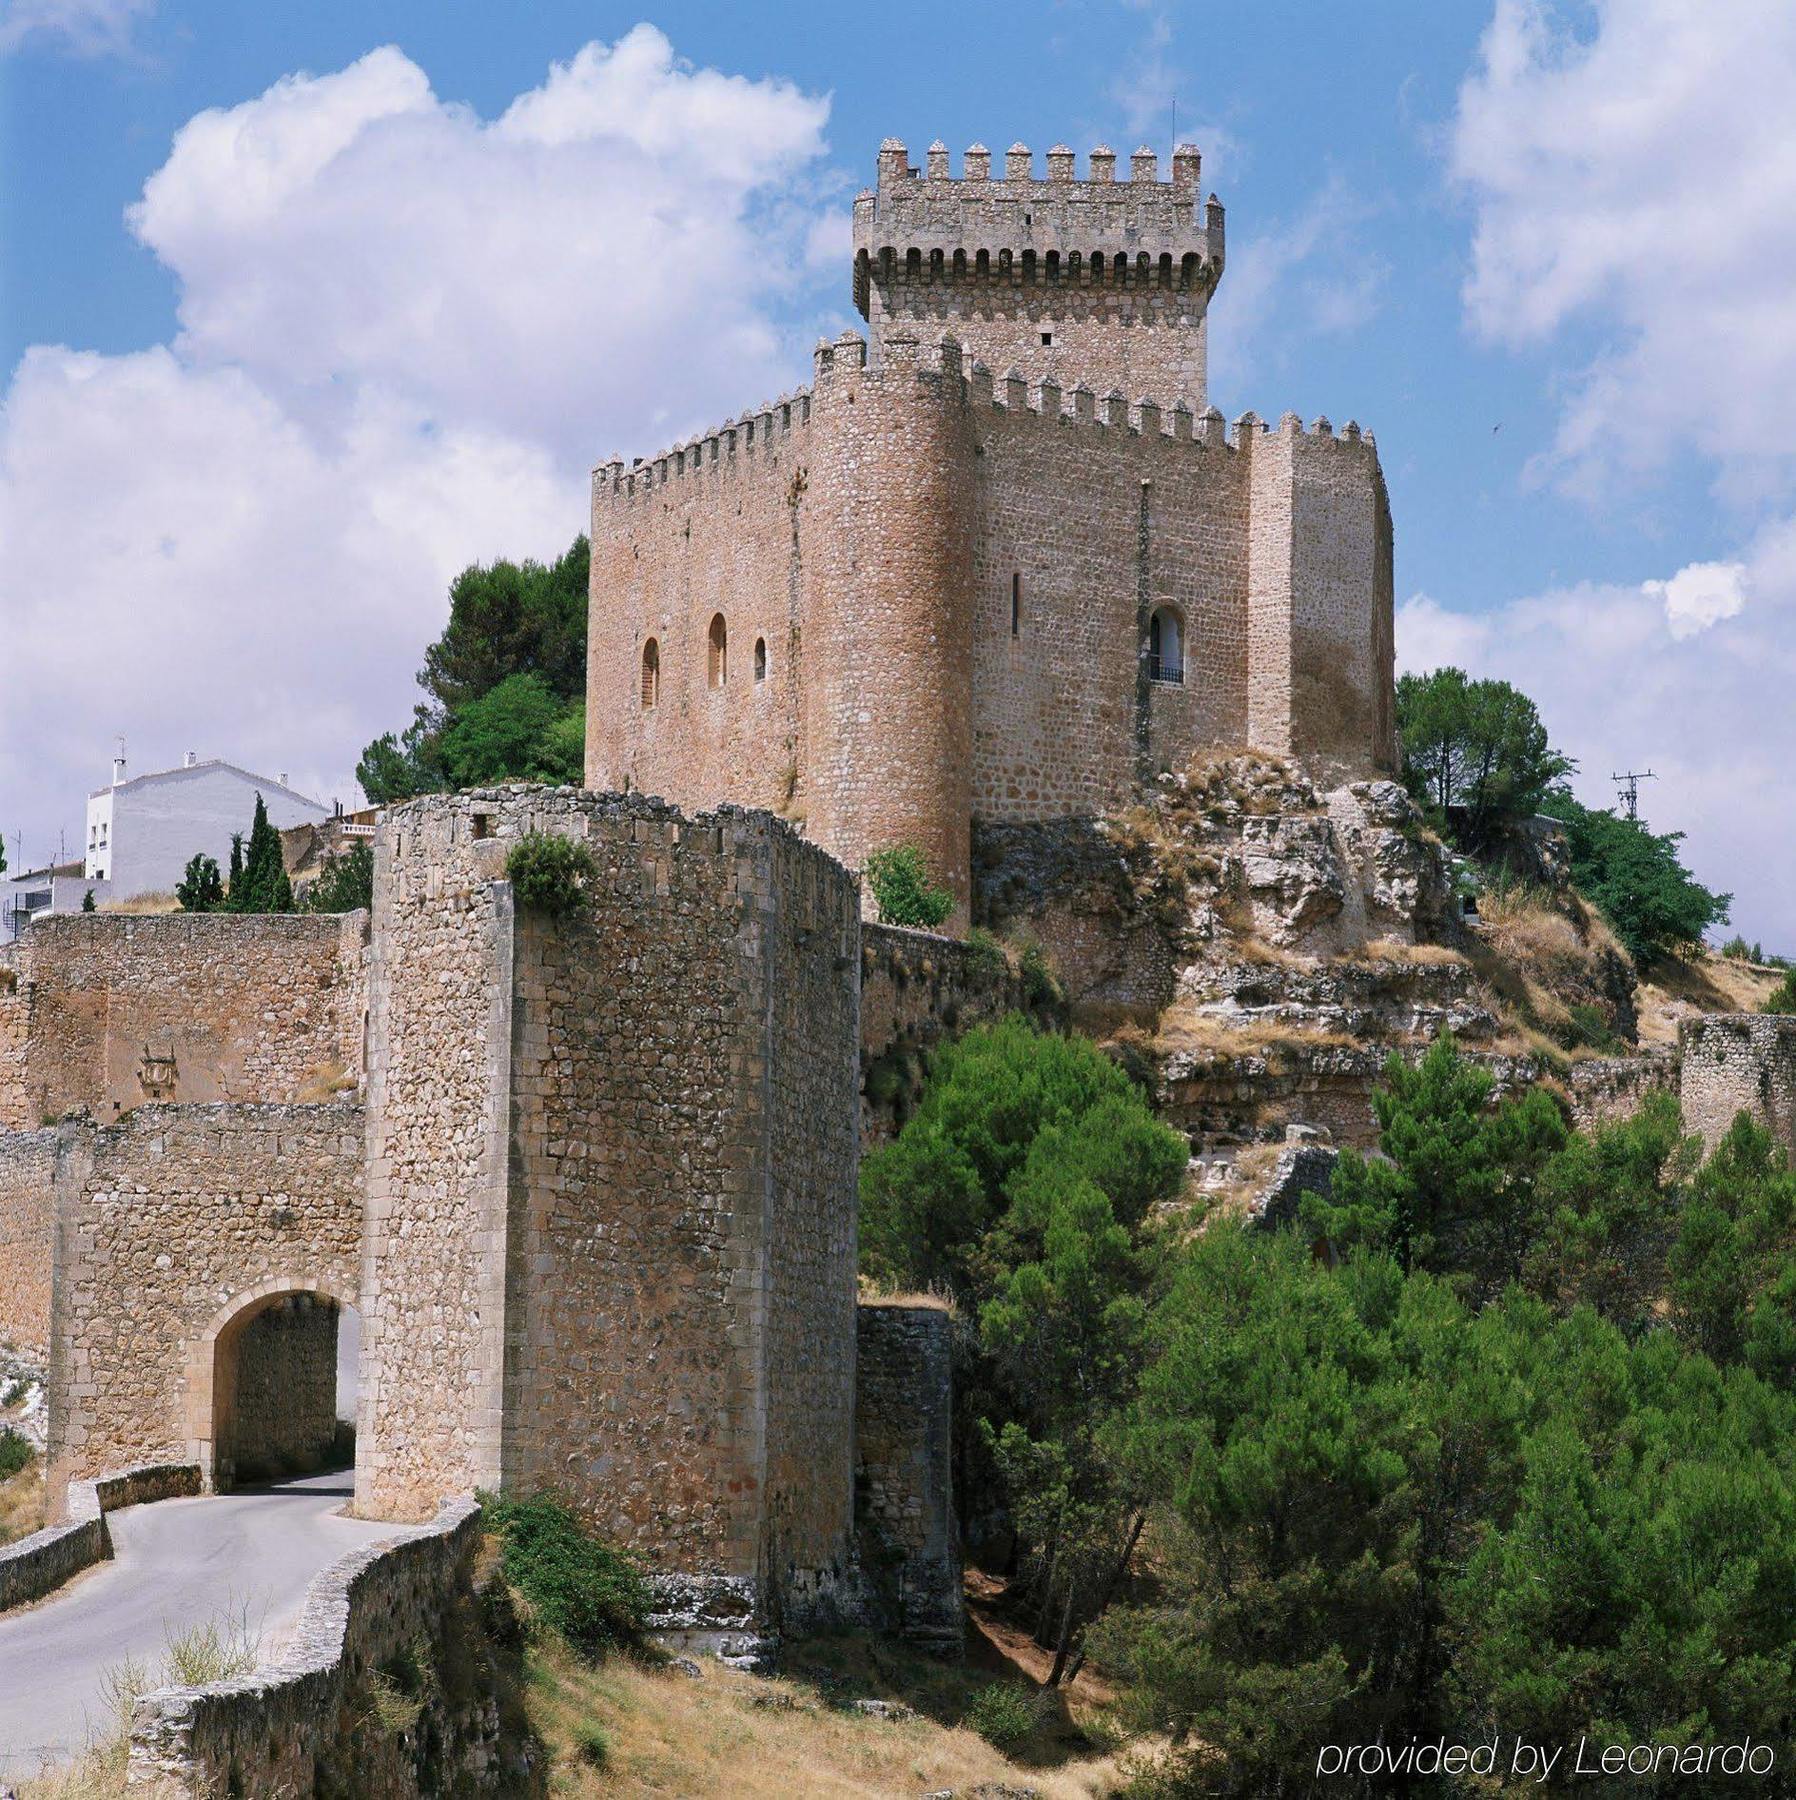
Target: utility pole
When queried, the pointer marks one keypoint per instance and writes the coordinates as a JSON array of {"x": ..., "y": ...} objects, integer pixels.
[{"x": 1629, "y": 785}]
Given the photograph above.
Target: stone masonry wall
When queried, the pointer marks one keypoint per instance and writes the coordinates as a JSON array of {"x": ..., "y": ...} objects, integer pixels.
[
  {"x": 113, "y": 1010},
  {"x": 626, "y": 1183},
  {"x": 170, "y": 1225},
  {"x": 904, "y": 1497},
  {"x": 953, "y": 581},
  {"x": 27, "y": 1163},
  {"x": 1738, "y": 1062},
  {"x": 917, "y": 990}
]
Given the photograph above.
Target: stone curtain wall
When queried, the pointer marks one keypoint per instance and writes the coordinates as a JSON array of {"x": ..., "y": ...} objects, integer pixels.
[
  {"x": 229, "y": 1008},
  {"x": 875, "y": 532},
  {"x": 275, "y": 1391},
  {"x": 169, "y": 1225},
  {"x": 15, "y": 1032},
  {"x": 918, "y": 989},
  {"x": 1608, "y": 1088},
  {"x": 904, "y": 1497},
  {"x": 1738, "y": 1062},
  {"x": 626, "y": 1177},
  {"x": 27, "y": 1163},
  {"x": 403, "y": 1610}
]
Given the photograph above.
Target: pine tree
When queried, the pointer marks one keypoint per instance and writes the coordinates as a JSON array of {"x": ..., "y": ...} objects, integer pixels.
[{"x": 200, "y": 890}]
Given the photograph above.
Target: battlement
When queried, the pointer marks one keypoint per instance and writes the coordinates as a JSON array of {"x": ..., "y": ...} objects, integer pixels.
[
  {"x": 732, "y": 444},
  {"x": 1018, "y": 229}
]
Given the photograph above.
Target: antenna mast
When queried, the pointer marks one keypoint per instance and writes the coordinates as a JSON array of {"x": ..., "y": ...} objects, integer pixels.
[{"x": 1629, "y": 786}]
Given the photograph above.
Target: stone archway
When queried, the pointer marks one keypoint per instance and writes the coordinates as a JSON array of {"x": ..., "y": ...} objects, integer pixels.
[{"x": 262, "y": 1381}]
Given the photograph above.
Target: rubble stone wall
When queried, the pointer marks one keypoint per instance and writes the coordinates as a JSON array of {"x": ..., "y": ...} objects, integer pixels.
[
  {"x": 27, "y": 1164},
  {"x": 170, "y": 1227},
  {"x": 276, "y": 1392},
  {"x": 1738, "y": 1062},
  {"x": 111, "y": 1011},
  {"x": 904, "y": 1497},
  {"x": 1606, "y": 1088}
]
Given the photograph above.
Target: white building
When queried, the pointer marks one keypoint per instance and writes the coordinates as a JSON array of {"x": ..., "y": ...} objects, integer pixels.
[
  {"x": 32, "y": 893},
  {"x": 142, "y": 832}
]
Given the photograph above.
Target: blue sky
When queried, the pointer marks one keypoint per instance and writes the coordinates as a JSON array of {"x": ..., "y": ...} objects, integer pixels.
[{"x": 392, "y": 282}]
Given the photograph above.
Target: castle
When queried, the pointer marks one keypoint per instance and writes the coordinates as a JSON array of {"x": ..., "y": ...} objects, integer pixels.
[{"x": 1001, "y": 562}]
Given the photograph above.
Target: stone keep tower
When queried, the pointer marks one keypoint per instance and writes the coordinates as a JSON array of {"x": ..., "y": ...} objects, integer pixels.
[
  {"x": 1099, "y": 281},
  {"x": 999, "y": 564}
]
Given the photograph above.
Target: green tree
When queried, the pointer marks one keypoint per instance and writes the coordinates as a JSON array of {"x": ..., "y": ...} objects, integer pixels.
[
  {"x": 87, "y": 901},
  {"x": 1782, "y": 998},
  {"x": 1455, "y": 1190},
  {"x": 200, "y": 889},
  {"x": 1636, "y": 877},
  {"x": 261, "y": 884},
  {"x": 500, "y": 736},
  {"x": 506, "y": 620},
  {"x": 899, "y": 878},
  {"x": 346, "y": 882},
  {"x": 1477, "y": 745}
]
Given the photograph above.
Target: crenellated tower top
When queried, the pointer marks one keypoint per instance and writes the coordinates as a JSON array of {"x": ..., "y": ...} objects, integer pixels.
[{"x": 1102, "y": 280}]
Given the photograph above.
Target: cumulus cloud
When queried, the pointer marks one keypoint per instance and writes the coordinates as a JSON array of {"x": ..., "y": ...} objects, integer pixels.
[
  {"x": 83, "y": 27},
  {"x": 404, "y": 334},
  {"x": 1700, "y": 595},
  {"x": 1639, "y": 179}
]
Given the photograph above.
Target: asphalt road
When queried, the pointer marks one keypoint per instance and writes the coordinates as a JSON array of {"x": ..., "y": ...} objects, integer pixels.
[{"x": 176, "y": 1564}]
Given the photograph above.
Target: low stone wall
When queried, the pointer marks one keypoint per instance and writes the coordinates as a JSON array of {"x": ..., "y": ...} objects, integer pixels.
[
  {"x": 36, "y": 1565},
  {"x": 916, "y": 990},
  {"x": 903, "y": 1472},
  {"x": 1738, "y": 1062},
  {"x": 27, "y": 1168},
  {"x": 385, "y": 1693},
  {"x": 1607, "y": 1088}
]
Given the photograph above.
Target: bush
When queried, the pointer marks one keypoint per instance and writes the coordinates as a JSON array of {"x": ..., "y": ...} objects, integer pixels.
[
  {"x": 899, "y": 878},
  {"x": 1782, "y": 998},
  {"x": 592, "y": 1742},
  {"x": 550, "y": 874},
  {"x": 1004, "y": 1714},
  {"x": 15, "y": 1453},
  {"x": 345, "y": 883},
  {"x": 593, "y": 1595}
]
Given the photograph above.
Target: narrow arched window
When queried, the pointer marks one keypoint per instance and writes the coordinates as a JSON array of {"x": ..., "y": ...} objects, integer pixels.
[
  {"x": 1016, "y": 606},
  {"x": 651, "y": 675},
  {"x": 1166, "y": 645},
  {"x": 717, "y": 654},
  {"x": 760, "y": 659}
]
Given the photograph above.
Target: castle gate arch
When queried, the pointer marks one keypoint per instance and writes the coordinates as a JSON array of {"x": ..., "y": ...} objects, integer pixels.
[{"x": 262, "y": 1381}]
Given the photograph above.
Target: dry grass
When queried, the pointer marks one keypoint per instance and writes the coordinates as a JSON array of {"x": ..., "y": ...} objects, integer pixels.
[
  {"x": 142, "y": 904},
  {"x": 661, "y": 1733},
  {"x": 1183, "y": 1030},
  {"x": 1537, "y": 959},
  {"x": 1391, "y": 950},
  {"x": 324, "y": 1081},
  {"x": 22, "y": 1502},
  {"x": 1675, "y": 987}
]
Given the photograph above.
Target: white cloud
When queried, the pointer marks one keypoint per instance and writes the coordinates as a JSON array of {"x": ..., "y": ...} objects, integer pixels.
[
  {"x": 1680, "y": 675},
  {"x": 1640, "y": 180},
  {"x": 405, "y": 333},
  {"x": 1700, "y": 595},
  {"x": 85, "y": 27}
]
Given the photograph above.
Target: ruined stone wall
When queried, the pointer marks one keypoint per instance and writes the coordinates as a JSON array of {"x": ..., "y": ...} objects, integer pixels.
[
  {"x": 275, "y": 1392},
  {"x": 955, "y": 583},
  {"x": 1604, "y": 1089},
  {"x": 169, "y": 1226},
  {"x": 27, "y": 1163},
  {"x": 113, "y": 1011},
  {"x": 611, "y": 1207},
  {"x": 904, "y": 1496},
  {"x": 919, "y": 989},
  {"x": 1738, "y": 1062}
]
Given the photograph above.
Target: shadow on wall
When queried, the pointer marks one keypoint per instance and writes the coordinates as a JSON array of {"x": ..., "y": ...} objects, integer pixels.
[{"x": 283, "y": 1375}]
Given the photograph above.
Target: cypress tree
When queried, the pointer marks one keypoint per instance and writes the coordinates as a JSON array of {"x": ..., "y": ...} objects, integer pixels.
[
  {"x": 265, "y": 883},
  {"x": 237, "y": 893}
]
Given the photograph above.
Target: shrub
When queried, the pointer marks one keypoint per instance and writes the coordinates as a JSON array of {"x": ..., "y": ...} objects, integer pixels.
[
  {"x": 345, "y": 883},
  {"x": 899, "y": 878},
  {"x": 15, "y": 1453},
  {"x": 1782, "y": 998},
  {"x": 201, "y": 889},
  {"x": 593, "y": 1595},
  {"x": 1004, "y": 1714},
  {"x": 550, "y": 874}
]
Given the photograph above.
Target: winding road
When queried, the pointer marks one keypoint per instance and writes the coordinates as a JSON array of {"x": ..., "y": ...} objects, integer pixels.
[{"x": 176, "y": 1564}]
